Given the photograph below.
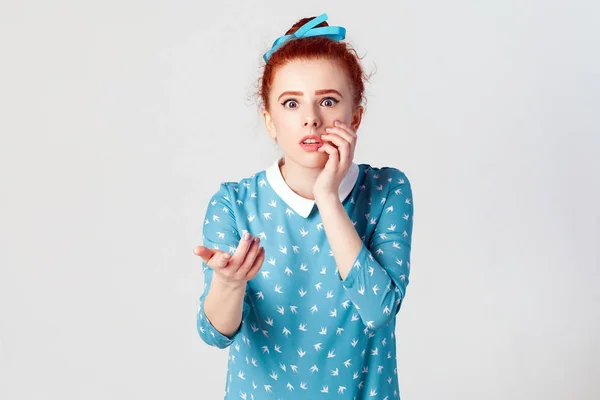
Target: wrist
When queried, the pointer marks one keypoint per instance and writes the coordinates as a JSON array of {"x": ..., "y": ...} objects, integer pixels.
[
  {"x": 326, "y": 197},
  {"x": 225, "y": 285}
]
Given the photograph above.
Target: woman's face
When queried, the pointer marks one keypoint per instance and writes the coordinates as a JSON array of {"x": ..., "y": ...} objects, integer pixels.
[{"x": 306, "y": 97}]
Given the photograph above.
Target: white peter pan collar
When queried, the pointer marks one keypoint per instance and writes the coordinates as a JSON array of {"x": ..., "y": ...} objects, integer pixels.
[{"x": 299, "y": 204}]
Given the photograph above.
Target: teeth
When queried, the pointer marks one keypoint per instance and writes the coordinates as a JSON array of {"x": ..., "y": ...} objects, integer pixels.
[{"x": 310, "y": 141}]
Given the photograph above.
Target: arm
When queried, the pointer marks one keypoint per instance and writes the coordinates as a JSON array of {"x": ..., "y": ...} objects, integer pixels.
[
  {"x": 375, "y": 277},
  {"x": 223, "y": 305},
  {"x": 224, "y": 308}
]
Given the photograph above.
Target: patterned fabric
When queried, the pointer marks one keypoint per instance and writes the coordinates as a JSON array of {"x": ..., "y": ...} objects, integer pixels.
[{"x": 305, "y": 332}]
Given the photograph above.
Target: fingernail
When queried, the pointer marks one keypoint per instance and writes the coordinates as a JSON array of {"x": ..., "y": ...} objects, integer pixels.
[
  {"x": 328, "y": 129},
  {"x": 227, "y": 256},
  {"x": 337, "y": 123},
  {"x": 247, "y": 236}
]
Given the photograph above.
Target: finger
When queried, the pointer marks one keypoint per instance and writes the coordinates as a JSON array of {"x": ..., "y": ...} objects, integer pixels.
[
  {"x": 204, "y": 252},
  {"x": 344, "y": 147},
  {"x": 332, "y": 152},
  {"x": 348, "y": 135},
  {"x": 345, "y": 133},
  {"x": 346, "y": 127},
  {"x": 219, "y": 260},
  {"x": 249, "y": 260},
  {"x": 240, "y": 253},
  {"x": 337, "y": 139},
  {"x": 258, "y": 263},
  {"x": 346, "y": 151},
  {"x": 327, "y": 148}
]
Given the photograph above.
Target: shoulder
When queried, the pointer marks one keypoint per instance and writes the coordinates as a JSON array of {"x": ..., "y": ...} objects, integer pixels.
[
  {"x": 388, "y": 177},
  {"x": 232, "y": 191}
]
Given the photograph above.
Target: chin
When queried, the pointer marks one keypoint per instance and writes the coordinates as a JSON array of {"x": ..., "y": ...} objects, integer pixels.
[{"x": 309, "y": 159}]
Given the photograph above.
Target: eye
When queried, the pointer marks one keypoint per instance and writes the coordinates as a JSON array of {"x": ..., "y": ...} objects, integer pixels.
[
  {"x": 288, "y": 102},
  {"x": 329, "y": 102}
]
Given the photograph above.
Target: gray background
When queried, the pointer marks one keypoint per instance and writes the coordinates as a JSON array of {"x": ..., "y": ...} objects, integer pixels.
[{"x": 119, "y": 119}]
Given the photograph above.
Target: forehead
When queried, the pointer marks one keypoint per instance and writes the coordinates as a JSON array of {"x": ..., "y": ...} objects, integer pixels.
[{"x": 310, "y": 75}]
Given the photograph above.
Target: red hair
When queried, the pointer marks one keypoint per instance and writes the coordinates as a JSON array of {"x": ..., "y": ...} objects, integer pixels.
[{"x": 316, "y": 47}]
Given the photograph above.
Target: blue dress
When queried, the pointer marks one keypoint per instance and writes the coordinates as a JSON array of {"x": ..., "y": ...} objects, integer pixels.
[{"x": 305, "y": 332}]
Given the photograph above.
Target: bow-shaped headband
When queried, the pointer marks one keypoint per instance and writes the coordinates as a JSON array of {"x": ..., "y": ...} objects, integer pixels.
[{"x": 309, "y": 30}]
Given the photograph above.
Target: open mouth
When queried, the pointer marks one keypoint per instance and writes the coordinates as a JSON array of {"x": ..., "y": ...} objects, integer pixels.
[{"x": 311, "y": 140}]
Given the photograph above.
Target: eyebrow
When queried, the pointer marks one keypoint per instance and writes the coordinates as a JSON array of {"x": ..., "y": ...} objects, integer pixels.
[{"x": 317, "y": 92}]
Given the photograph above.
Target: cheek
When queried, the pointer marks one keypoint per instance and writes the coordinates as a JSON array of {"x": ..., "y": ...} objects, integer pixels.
[
  {"x": 331, "y": 121},
  {"x": 341, "y": 114},
  {"x": 283, "y": 125},
  {"x": 286, "y": 128}
]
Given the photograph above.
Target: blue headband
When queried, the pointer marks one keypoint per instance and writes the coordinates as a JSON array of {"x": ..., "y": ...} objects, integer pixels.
[{"x": 309, "y": 30}]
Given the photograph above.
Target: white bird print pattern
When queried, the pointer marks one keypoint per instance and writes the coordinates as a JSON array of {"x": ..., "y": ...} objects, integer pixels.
[{"x": 337, "y": 337}]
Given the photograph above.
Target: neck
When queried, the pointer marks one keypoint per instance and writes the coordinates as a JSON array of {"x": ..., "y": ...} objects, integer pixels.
[{"x": 300, "y": 179}]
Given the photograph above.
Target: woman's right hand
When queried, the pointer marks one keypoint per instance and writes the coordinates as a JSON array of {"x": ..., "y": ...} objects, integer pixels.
[{"x": 234, "y": 270}]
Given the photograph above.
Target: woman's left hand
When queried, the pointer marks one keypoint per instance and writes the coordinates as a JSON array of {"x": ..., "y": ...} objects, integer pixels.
[{"x": 340, "y": 159}]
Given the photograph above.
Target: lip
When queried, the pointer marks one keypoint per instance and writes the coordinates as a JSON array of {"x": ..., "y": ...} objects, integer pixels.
[
  {"x": 313, "y": 147},
  {"x": 315, "y": 137}
]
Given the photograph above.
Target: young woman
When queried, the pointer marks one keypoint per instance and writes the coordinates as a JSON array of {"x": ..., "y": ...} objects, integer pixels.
[{"x": 306, "y": 263}]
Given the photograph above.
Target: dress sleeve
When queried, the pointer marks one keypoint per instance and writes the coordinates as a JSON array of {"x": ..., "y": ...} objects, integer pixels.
[
  {"x": 219, "y": 232},
  {"x": 377, "y": 281}
]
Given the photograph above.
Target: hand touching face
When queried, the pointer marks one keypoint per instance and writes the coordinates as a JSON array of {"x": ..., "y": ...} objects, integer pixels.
[{"x": 340, "y": 142}]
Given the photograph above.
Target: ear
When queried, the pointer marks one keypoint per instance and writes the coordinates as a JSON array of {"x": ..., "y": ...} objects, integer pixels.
[
  {"x": 357, "y": 117},
  {"x": 269, "y": 125}
]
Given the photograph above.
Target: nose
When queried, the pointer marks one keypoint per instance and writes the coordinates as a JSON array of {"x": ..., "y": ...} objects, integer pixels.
[{"x": 312, "y": 120}]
